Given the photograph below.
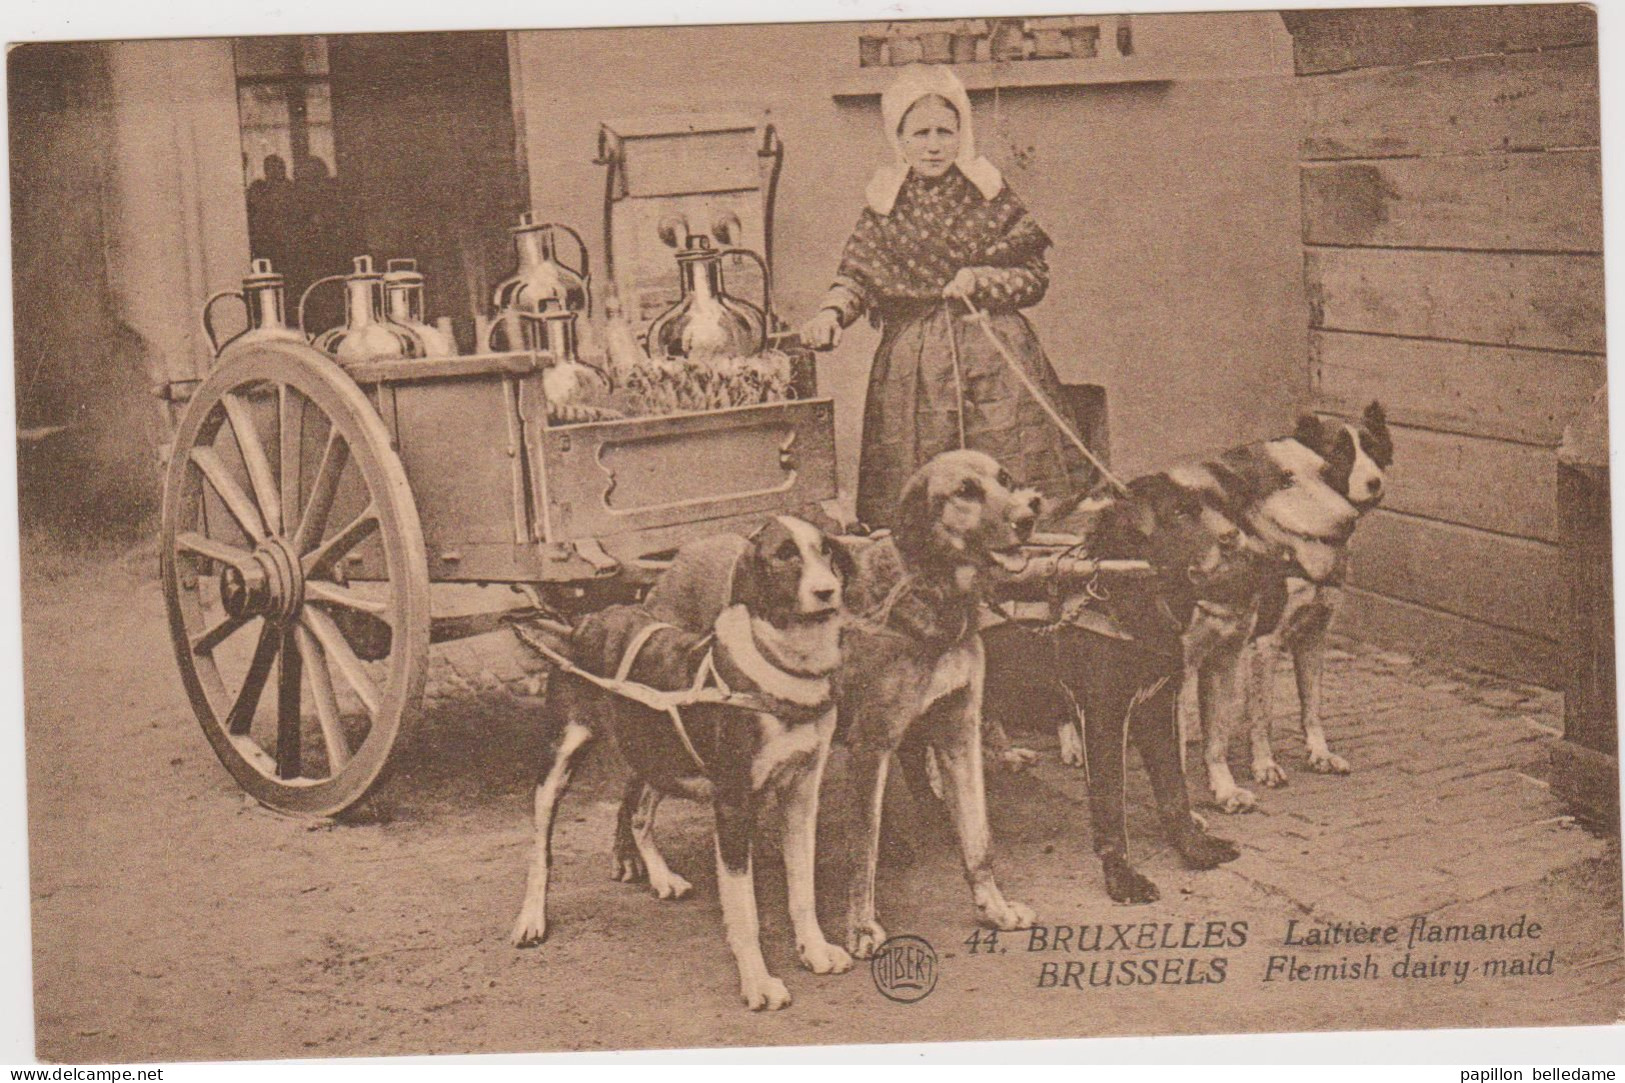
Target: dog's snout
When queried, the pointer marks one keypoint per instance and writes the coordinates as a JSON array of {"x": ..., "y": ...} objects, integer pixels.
[{"x": 825, "y": 595}]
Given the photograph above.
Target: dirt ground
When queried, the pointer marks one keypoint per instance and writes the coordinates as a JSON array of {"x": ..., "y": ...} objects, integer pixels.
[{"x": 174, "y": 920}]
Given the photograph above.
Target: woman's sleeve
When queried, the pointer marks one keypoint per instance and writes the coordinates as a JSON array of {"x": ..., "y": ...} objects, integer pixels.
[
  {"x": 1019, "y": 286},
  {"x": 853, "y": 289},
  {"x": 1016, "y": 274},
  {"x": 846, "y": 299}
]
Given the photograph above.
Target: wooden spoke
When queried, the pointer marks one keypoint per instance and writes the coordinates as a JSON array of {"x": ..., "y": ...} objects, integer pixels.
[
  {"x": 310, "y": 453},
  {"x": 259, "y": 670},
  {"x": 237, "y": 502},
  {"x": 217, "y": 551},
  {"x": 290, "y": 408},
  {"x": 320, "y": 590},
  {"x": 287, "y": 708},
  {"x": 332, "y": 550},
  {"x": 338, "y": 651},
  {"x": 322, "y": 491},
  {"x": 327, "y": 703},
  {"x": 211, "y": 638},
  {"x": 259, "y": 467}
]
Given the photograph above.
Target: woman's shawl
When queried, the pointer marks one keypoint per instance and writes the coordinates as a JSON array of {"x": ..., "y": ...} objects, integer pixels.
[{"x": 936, "y": 228}]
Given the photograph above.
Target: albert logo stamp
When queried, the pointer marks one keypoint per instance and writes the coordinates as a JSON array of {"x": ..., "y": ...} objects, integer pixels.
[{"x": 905, "y": 969}]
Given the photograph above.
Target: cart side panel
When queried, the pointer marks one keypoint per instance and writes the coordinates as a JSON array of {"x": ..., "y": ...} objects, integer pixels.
[
  {"x": 653, "y": 478},
  {"x": 459, "y": 440}
]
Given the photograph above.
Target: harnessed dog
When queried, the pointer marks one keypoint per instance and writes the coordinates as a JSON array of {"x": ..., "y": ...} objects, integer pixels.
[
  {"x": 913, "y": 667},
  {"x": 1114, "y": 658},
  {"x": 1276, "y": 492},
  {"x": 760, "y": 715},
  {"x": 1295, "y": 614}
]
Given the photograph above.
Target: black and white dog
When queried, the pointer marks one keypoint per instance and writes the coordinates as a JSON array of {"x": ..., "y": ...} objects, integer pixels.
[
  {"x": 777, "y": 641},
  {"x": 1277, "y": 493},
  {"x": 1296, "y": 612},
  {"x": 1113, "y": 660}
]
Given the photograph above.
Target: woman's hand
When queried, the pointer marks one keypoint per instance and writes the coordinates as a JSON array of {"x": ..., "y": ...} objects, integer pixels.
[
  {"x": 823, "y": 331},
  {"x": 962, "y": 287}
]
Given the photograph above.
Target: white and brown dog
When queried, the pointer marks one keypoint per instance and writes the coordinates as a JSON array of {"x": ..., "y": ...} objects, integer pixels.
[
  {"x": 1276, "y": 492},
  {"x": 913, "y": 666},
  {"x": 776, "y": 641},
  {"x": 1296, "y": 612}
]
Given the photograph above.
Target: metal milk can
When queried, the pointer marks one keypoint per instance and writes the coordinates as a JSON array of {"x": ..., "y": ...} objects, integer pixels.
[
  {"x": 540, "y": 279},
  {"x": 367, "y": 333},
  {"x": 706, "y": 321},
  {"x": 403, "y": 304},
  {"x": 264, "y": 300}
]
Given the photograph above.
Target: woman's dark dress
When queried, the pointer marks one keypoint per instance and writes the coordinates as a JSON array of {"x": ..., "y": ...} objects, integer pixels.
[{"x": 895, "y": 267}]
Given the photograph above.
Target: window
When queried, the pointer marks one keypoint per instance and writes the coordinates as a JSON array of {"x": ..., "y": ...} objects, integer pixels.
[{"x": 284, "y": 105}]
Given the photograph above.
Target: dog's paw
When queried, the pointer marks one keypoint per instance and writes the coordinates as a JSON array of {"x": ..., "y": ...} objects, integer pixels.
[
  {"x": 1235, "y": 800},
  {"x": 823, "y": 957},
  {"x": 1018, "y": 759},
  {"x": 629, "y": 869},
  {"x": 1071, "y": 746},
  {"x": 671, "y": 886},
  {"x": 1005, "y": 915},
  {"x": 1269, "y": 773},
  {"x": 1124, "y": 884},
  {"x": 530, "y": 929},
  {"x": 1203, "y": 851},
  {"x": 864, "y": 939},
  {"x": 766, "y": 993},
  {"x": 1329, "y": 763}
]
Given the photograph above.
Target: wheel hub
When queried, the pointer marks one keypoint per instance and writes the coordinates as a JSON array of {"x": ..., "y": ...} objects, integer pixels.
[{"x": 267, "y": 584}]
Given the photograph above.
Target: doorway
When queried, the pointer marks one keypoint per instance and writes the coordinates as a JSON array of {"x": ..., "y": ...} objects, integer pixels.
[{"x": 393, "y": 146}]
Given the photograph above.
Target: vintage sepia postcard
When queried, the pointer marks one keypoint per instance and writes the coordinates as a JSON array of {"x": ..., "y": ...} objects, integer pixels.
[{"x": 815, "y": 533}]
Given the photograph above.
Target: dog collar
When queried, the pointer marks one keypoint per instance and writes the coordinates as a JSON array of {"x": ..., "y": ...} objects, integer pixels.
[{"x": 740, "y": 661}]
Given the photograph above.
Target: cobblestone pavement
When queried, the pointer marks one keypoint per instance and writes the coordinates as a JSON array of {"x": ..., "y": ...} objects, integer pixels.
[{"x": 1447, "y": 803}]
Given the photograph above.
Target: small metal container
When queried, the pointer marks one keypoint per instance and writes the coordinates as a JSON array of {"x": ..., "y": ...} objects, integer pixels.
[
  {"x": 936, "y": 46},
  {"x": 968, "y": 37},
  {"x": 1085, "y": 40},
  {"x": 1009, "y": 41},
  {"x": 1051, "y": 38},
  {"x": 905, "y": 50}
]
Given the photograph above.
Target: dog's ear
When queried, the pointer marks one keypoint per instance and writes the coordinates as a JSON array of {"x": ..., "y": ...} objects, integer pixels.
[
  {"x": 1311, "y": 432},
  {"x": 1378, "y": 443},
  {"x": 912, "y": 524},
  {"x": 749, "y": 586}
]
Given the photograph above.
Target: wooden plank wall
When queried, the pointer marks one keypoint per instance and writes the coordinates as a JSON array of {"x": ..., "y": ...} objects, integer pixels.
[{"x": 1452, "y": 230}]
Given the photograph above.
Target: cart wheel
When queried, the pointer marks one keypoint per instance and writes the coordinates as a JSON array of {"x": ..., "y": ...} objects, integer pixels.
[{"x": 291, "y": 544}]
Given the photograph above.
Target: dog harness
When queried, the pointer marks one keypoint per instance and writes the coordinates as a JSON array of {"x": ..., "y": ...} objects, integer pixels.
[
  {"x": 910, "y": 611},
  {"x": 708, "y": 686},
  {"x": 707, "y": 671},
  {"x": 804, "y": 694}
]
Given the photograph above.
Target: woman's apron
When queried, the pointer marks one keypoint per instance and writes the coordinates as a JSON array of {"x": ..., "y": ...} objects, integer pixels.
[{"x": 915, "y": 405}]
